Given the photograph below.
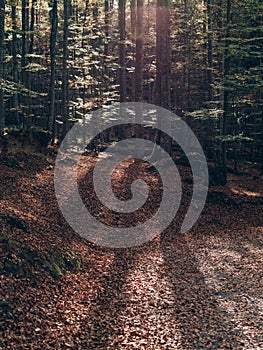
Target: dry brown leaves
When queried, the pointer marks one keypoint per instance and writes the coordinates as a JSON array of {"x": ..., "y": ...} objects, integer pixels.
[{"x": 200, "y": 290}]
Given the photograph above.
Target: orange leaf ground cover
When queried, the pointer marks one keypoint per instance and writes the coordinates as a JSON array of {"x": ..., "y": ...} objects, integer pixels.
[{"x": 199, "y": 290}]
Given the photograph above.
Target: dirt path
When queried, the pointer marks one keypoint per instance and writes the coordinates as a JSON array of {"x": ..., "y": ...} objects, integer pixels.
[{"x": 200, "y": 290}]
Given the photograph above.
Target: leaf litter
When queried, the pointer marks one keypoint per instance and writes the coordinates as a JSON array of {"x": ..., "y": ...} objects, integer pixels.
[{"x": 198, "y": 290}]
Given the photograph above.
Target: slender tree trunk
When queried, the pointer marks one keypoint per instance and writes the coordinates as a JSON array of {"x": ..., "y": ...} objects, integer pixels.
[
  {"x": 24, "y": 59},
  {"x": 15, "y": 60},
  {"x": 186, "y": 61},
  {"x": 2, "y": 35},
  {"x": 106, "y": 46},
  {"x": 32, "y": 26},
  {"x": 53, "y": 40},
  {"x": 133, "y": 19},
  {"x": 65, "y": 70},
  {"x": 25, "y": 20},
  {"x": 133, "y": 36},
  {"x": 219, "y": 35},
  {"x": 209, "y": 50},
  {"x": 139, "y": 52},
  {"x": 122, "y": 50},
  {"x": 31, "y": 49},
  {"x": 139, "y": 74},
  {"x": 163, "y": 62},
  {"x": 162, "y": 54},
  {"x": 226, "y": 77}
]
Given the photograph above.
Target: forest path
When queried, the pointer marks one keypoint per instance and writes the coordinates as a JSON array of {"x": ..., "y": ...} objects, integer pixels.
[{"x": 199, "y": 290}]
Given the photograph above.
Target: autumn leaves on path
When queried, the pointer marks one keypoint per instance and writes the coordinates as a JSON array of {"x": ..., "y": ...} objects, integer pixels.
[{"x": 199, "y": 290}]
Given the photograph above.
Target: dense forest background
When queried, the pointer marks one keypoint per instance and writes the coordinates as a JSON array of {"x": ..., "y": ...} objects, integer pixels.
[{"x": 200, "y": 58}]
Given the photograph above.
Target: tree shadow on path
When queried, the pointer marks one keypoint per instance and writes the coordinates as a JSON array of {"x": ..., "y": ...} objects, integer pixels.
[
  {"x": 202, "y": 323},
  {"x": 103, "y": 325}
]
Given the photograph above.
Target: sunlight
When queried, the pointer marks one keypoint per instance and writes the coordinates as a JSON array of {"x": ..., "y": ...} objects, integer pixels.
[
  {"x": 243, "y": 191},
  {"x": 151, "y": 293},
  {"x": 225, "y": 271}
]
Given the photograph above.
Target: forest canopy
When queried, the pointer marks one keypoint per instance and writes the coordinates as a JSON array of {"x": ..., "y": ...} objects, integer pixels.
[{"x": 201, "y": 59}]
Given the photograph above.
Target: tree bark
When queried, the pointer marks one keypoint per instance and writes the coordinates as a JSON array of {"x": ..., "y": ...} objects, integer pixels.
[
  {"x": 226, "y": 71},
  {"x": 106, "y": 46},
  {"x": 139, "y": 52},
  {"x": 15, "y": 61},
  {"x": 31, "y": 49},
  {"x": 122, "y": 50},
  {"x": 53, "y": 40},
  {"x": 24, "y": 59},
  {"x": 163, "y": 62},
  {"x": 65, "y": 69},
  {"x": 25, "y": 22},
  {"x": 133, "y": 40},
  {"x": 162, "y": 54},
  {"x": 209, "y": 50},
  {"x": 2, "y": 35}
]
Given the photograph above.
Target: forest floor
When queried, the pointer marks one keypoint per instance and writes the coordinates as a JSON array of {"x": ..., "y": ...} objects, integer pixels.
[{"x": 199, "y": 290}]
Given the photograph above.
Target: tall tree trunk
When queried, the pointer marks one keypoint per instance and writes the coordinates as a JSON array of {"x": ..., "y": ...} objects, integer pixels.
[
  {"x": 31, "y": 48},
  {"x": 226, "y": 77},
  {"x": 139, "y": 52},
  {"x": 53, "y": 41},
  {"x": 219, "y": 35},
  {"x": 106, "y": 46},
  {"x": 2, "y": 35},
  {"x": 32, "y": 26},
  {"x": 220, "y": 44},
  {"x": 187, "y": 58},
  {"x": 24, "y": 59},
  {"x": 209, "y": 50},
  {"x": 133, "y": 40},
  {"x": 163, "y": 62},
  {"x": 162, "y": 54},
  {"x": 122, "y": 50},
  {"x": 15, "y": 60},
  {"x": 25, "y": 23},
  {"x": 65, "y": 69}
]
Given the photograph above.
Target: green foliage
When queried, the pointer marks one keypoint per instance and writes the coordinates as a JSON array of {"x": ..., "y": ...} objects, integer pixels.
[
  {"x": 7, "y": 243},
  {"x": 11, "y": 88},
  {"x": 233, "y": 138},
  {"x": 54, "y": 268},
  {"x": 93, "y": 62},
  {"x": 72, "y": 260},
  {"x": 22, "y": 259},
  {"x": 58, "y": 262}
]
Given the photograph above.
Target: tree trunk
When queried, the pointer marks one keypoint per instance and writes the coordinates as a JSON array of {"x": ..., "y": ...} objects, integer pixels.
[
  {"x": 15, "y": 61},
  {"x": 122, "y": 51},
  {"x": 209, "y": 50},
  {"x": 133, "y": 40},
  {"x": 219, "y": 35},
  {"x": 106, "y": 46},
  {"x": 25, "y": 22},
  {"x": 163, "y": 62},
  {"x": 2, "y": 35},
  {"x": 226, "y": 72},
  {"x": 32, "y": 26},
  {"x": 139, "y": 53},
  {"x": 24, "y": 60},
  {"x": 31, "y": 49},
  {"x": 53, "y": 40},
  {"x": 162, "y": 54},
  {"x": 65, "y": 70}
]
